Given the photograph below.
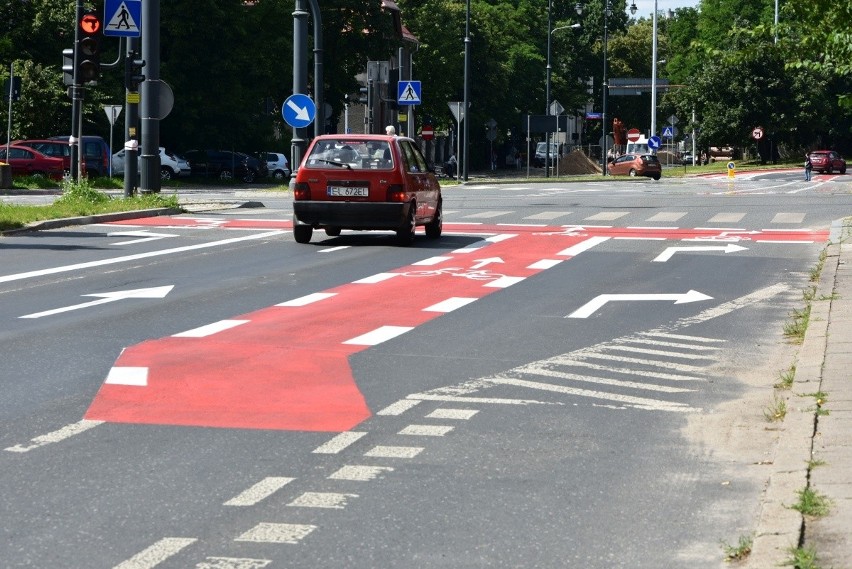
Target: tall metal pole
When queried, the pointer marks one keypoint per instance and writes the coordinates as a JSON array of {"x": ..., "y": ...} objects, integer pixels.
[
  {"x": 606, "y": 13},
  {"x": 654, "y": 75},
  {"x": 547, "y": 89},
  {"x": 149, "y": 159},
  {"x": 466, "y": 89},
  {"x": 131, "y": 130},
  {"x": 300, "y": 75}
]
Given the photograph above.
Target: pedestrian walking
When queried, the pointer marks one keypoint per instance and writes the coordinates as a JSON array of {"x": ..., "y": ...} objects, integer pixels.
[{"x": 808, "y": 167}]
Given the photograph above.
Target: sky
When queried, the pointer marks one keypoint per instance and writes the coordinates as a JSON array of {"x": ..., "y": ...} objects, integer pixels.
[{"x": 646, "y": 7}]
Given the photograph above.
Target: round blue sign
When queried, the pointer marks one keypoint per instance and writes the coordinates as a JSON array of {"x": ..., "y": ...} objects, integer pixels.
[
  {"x": 298, "y": 110},
  {"x": 654, "y": 142}
]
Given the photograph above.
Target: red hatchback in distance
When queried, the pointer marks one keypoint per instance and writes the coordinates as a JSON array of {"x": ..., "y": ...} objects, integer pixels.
[
  {"x": 26, "y": 161},
  {"x": 365, "y": 182},
  {"x": 827, "y": 161},
  {"x": 637, "y": 165}
]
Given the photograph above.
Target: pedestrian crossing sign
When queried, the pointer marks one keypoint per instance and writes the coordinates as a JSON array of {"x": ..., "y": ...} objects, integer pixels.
[
  {"x": 408, "y": 93},
  {"x": 668, "y": 132},
  {"x": 123, "y": 18}
]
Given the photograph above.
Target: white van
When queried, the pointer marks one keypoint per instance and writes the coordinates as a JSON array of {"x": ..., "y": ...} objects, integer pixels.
[{"x": 638, "y": 147}]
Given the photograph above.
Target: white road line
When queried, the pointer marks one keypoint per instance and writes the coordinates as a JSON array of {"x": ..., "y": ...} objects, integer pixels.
[
  {"x": 667, "y": 216},
  {"x": 393, "y": 452},
  {"x": 583, "y": 354},
  {"x": 458, "y": 414},
  {"x": 575, "y": 250},
  {"x": 788, "y": 218},
  {"x": 56, "y": 436},
  {"x": 308, "y": 299},
  {"x": 373, "y": 279},
  {"x": 399, "y": 407},
  {"x": 670, "y": 344},
  {"x": 328, "y": 500},
  {"x": 333, "y": 249},
  {"x": 157, "y": 553},
  {"x": 359, "y": 473},
  {"x": 233, "y": 563},
  {"x": 544, "y": 264},
  {"x": 657, "y": 404},
  {"x": 379, "y": 335},
  {"x": 727, "y": 307},
  {"x": 683, "y": 337},
  {"x": 504, "y": 282},
  {"x": 543, "y": 371},
  {"x": 568, "y": 361},
  {"x": 548, "y": 215},
  {"x": 450, "y": 304},
  {"x": 663, "y": 353},
  {"x": 136, "y": 257},
  {"x": 727, "y": 218},
  {"x": 127, "y": 375},
  {"x": 277, "y": 533},
  {"x": 486, "y": 214},
  {"x": 777, "y": 242},
  {"x": 210, "y": 329},
  {"x": 260, "y": 491},
  {"x": 426, "y": 430},
  {"x": 607, "y": 216},
  {"x": 339, "y": 442},
  {"x": 485, "y": 400},
  {"x": 432, "y": 261}
]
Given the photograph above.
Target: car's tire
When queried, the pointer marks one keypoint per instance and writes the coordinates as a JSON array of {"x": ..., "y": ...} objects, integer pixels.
[
  {"x": 332, "y": 231},
  {"x": 165, "y": 173},
  {"x": 829, "y": 170},
  {"x": 657, "y": 176},
  {"x": 843, "y": 170},
  {"x": 249, "y": 176},
  {"x": 405, "y": 234},
  {"x": 302, "y": 233},
  {"x": 226, "y": 174},
  {"x": 434, "y": 227},
  {"x": 279, "y": 175},
  {"x": 633, "y": 172}
]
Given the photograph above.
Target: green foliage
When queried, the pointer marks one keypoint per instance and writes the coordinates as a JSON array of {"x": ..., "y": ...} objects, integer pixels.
[{"x": 812, "y": 503}]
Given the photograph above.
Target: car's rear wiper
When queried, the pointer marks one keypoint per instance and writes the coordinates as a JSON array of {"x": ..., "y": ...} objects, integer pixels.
[{"x": 341, "y": 164}]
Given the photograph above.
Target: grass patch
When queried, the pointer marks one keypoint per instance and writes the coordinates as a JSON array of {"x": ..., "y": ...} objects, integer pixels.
[
  {"x": 802, "y": 558},
  {"x": 776, "y": 411},
  {"x": 786, "y": 378},
  {"x": 812, "y": 503},
  {"x": 740, "y": 551},
  {"x": 815, "y": 462},
  {"x": 795, "y": 329},
  {"x": 80, "y": 199}
]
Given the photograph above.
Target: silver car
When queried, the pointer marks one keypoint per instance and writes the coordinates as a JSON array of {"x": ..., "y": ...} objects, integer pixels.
[{"x": 171, "y": 165}]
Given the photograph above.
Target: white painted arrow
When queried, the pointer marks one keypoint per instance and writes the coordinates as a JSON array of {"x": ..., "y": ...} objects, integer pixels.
[
  {"x": 593, "y": 305},
  {"x": 144, "y": 235},
  {"x": 482, "y": 262},
  {"x": 155, "y": 292},
  {"x": 301, "y": 112},
  {"x": 668, "y": 253}
]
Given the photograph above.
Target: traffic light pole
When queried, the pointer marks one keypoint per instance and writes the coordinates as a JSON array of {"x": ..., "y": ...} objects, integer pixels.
[
  {"x": 149, "y": 160},
  {"x": 131, "y": 126},
  {"x": 76, "y": 99}
]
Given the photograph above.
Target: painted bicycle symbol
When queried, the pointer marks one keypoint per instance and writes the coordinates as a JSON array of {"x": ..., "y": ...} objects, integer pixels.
[
  {"x": 473, "y": 274},
  {"x": 568, "y": 230},
  {"x": 727, "y": 236}
]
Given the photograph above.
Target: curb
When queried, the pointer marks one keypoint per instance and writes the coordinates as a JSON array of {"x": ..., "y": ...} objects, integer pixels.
[{"x": 90, "y": 219}]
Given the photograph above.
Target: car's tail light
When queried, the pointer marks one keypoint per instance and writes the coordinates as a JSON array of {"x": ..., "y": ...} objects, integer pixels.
[
  {"x": 396, "y": 193},
  {"x": 301, "y": 191}
]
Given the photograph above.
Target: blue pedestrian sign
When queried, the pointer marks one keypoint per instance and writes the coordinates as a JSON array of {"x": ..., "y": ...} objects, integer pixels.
[
  {"x": 123, "y": 18},
  {"x": 654, "y": 142},
  {"x": 408, "y": 93},
  {"x": 298, "y": 110},
  {"x": 668, "y": 132}
]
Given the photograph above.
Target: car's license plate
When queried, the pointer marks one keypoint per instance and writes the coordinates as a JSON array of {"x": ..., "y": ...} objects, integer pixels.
[{"x": 344, "y": 192}]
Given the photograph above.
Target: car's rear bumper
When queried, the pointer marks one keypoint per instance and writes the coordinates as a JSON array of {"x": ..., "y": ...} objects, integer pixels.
[{"x": 351, "y": 215}]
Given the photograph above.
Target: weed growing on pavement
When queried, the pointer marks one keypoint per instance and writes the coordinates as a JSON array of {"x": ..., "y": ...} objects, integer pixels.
[
  {"x": 776, "y": 411},
  {"x": 803, "y": 558},
  {"x": 815, "y": 462},
  {"x": 820, "y": 398},
  {"x": 740, "y": 551},
  {"x": 795, "y": 329},
  {"x": 812, "y": 503},
  {"x": 786, "y": 378}
]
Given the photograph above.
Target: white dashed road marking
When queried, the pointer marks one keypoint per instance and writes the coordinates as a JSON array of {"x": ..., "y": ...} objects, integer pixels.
[
  {"x": 157, "y": 553},
  {"x": 277, "y": 533},
  {"x": 259, "y": 491},
  {"x": 56, "y": 436},
  {"x": 328, "y": 500},
  {"x": 357, "y": 473},
  {"x": 339, "y": 442}
]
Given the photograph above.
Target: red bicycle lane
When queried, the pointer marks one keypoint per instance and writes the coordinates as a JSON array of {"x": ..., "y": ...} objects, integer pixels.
[{"x": 286, "y": 366}]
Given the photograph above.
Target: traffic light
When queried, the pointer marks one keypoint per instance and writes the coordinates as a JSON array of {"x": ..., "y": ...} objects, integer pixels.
[
  {"x": 90, "y": 30},
  {"x": 133, "y": 71},
  {"x": 68, "y": 67},
  {"x": 362, "y": 95}
]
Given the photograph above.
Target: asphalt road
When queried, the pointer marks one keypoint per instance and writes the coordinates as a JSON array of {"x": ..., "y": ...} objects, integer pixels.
[{"x": 538, "y": 388}]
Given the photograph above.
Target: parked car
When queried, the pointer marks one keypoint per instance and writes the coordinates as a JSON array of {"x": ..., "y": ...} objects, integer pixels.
[
  {"x": 27, "y": 161},
  {"x": 277, "y": 164},
  {"x": 827, "y": 161},
  {"x": 636, "y": 165},
  {"x": 226, "y": 165},
  {"x": 541, "y": 153},
  {"x": 171, "y": 165},
  {"x": 52, "y": 148},
  {"x": 96, "y": 154},
  {"x": 366, "y": 182}
]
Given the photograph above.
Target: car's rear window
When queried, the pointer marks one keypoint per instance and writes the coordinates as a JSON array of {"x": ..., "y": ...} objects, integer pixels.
[{"x": 356, "y": 154}]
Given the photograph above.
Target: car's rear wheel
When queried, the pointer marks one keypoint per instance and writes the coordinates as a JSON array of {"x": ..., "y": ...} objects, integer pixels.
[
  {"x": 633, "y": 172},
  {"x": 302, "y": 233},
  {"x": 434, "y": 227},
  {"x": 828, "y": 170},
  {"x": 843, "y": 170},
  {"x": 405, "y": 234},
  {"x": 165, "y": 173},
  {"x": 332, "y": 231},
  {"x": 226, "y": 175},
  {"x": 279, "y": 175},
  {"x": 656, "y": 176},
  {"x": 249, "y": 176}
]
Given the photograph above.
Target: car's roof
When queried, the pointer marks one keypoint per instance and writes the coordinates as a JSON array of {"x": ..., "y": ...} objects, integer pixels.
[{"x": 364, "y": 137}]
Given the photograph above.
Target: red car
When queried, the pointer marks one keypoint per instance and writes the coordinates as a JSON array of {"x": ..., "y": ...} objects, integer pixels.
[
  {"x": 827, "y": 161},
  {"x": 26, "y": 161},
  {"x": 365, "y": 182},
  {"x": 637, "y": 165}
]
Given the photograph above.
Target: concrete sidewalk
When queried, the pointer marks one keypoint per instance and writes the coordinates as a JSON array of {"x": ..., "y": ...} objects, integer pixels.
[{"x": 815, "y": 448}]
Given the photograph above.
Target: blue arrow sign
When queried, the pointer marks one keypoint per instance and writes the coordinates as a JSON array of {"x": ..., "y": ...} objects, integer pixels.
[
  {"x": 654, "y": 142},
  {"x": 123, "y": 18},
  {"x": 408, "y": 93},
  {"x": 298, "y": 110}
]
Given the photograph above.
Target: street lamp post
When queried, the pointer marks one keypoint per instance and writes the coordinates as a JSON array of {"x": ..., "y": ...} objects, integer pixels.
[
  {"x": 607, "y": 13},
  {"x": 549, "y": 71}
]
